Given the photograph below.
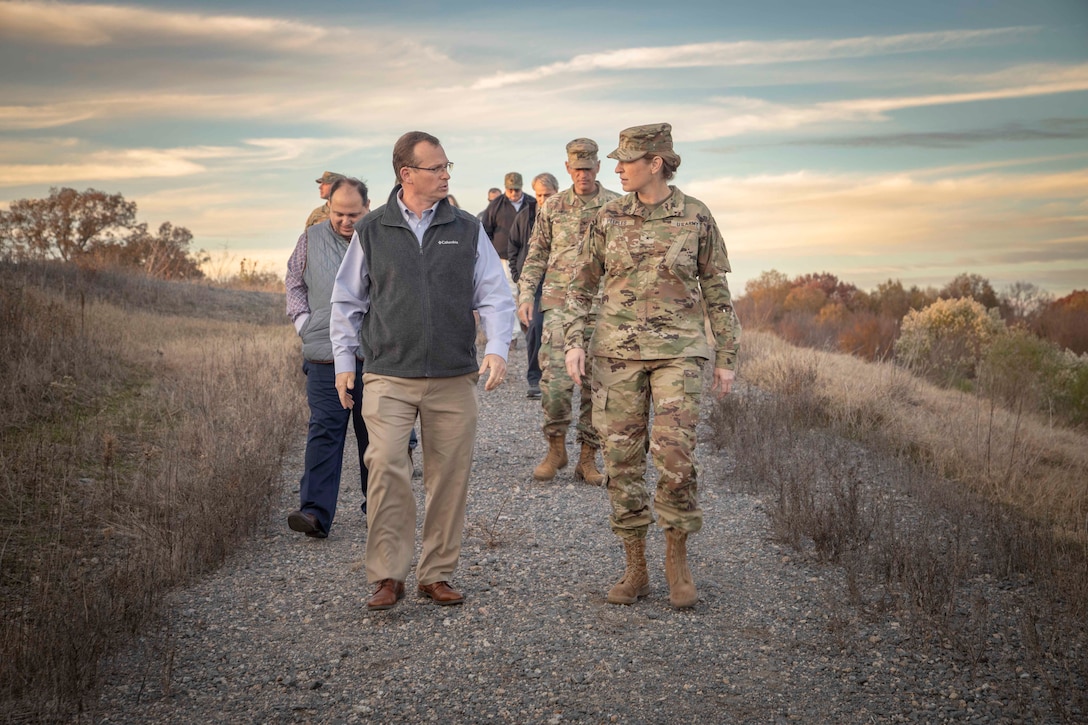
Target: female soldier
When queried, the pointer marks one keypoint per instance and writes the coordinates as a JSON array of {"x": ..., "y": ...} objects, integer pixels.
[{"x": 661, "y": 262}]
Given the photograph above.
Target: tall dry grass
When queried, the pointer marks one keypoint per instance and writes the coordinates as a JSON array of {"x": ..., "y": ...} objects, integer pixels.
[
  {"x": 963, "y": 520},
  {"x": 1009, "y": 457},
  {"x": 138, "y": 449}
]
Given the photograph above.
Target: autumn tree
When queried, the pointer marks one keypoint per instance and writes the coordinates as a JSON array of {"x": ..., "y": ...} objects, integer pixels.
[
  {"x": 763, "y": 300},
  {"x": 834, "y": 289},
  {"x": 946, "y": 340},
  {"x": 96, "y": 228},
  {"x": 1022, "y": 302},
  {"x": 808, "y": 298},
  {"x": 164, "y": 254},
  {"x": 971, "y": 286},
  {"x": 1065, "y": 321},
  {"x": 65, "y": 224}
]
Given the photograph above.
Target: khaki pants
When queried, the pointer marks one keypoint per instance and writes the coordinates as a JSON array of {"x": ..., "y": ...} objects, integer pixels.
[{"x": 447, "y": 409}]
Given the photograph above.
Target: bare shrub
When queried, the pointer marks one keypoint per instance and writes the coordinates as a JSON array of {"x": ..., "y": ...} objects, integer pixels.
[{"x": 492, "y": 530}]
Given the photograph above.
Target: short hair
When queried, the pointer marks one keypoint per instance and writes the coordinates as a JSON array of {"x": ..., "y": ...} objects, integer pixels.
[
  {"x": 405, "y": 147},
  {"x": 548, "y": 180},
  {"x": 494, "y": 190},
  {"x": 359, "y": 186},
  {"x": 669, "y": 167}
]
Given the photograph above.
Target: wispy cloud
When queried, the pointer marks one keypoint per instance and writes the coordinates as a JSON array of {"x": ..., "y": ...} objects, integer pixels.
[
  {"x": 1048, "y": 130},
  {"x": 48, "y": 115},
  {"x": 83, "y": 164},
  {"x": 757, "y": 53},
  {"x": 104, "y": 166},
  {"x": 867, "y": 227},
  {"x": 58, "y": 23},
  {"x": 733, "y": 116},
  {"x": 384, "y": 109}
]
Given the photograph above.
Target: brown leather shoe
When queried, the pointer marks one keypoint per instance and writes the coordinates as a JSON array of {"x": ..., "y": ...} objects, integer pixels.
[
  {"x": 441, "y": 593},
  {"x": 389, "y": 591},
  {"x": 305, "y": 523}
]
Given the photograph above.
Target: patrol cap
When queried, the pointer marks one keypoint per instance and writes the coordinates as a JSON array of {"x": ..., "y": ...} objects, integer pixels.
[
  {"x": 638, "y": 141},
  {"x": 513, "y": 180},
  {"x": 582, "y": 154},
  {"x": 329, "y": 177}
]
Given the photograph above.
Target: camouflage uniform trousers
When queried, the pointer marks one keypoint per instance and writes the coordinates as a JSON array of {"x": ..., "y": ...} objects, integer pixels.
[
  {"x": 556, "y": 387},
  {"x": 622, "y": 393}
]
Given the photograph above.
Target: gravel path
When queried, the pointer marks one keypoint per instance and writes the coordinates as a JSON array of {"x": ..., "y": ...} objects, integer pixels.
[{"x": 281, "y": 632}]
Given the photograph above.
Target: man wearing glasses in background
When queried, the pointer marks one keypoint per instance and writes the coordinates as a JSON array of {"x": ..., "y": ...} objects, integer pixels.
[{"x": 415, "y": 271}]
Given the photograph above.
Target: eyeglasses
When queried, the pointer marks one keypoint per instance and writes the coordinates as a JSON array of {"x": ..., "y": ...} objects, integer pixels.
[{"x": 434, "y": 169}]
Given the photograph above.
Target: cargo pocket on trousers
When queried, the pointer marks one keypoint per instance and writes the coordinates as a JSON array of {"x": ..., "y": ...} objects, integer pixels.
[
  {"x": 599, "y": 397},
  {"x": 693, "y": 382}
]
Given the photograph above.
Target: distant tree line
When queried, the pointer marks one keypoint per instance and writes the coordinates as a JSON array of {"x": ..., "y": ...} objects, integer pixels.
[
  {"x": 96, "y": 229},
  {"x": 1022, "y": 345}
]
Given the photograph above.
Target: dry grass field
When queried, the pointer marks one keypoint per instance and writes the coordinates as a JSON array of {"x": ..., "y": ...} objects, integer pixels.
[
  {"x": 1012, "y": 458},
  {"x": 143, "y": 428},
  {"x": 937, "y": 505},
  {"x": 144, "y": 425}
]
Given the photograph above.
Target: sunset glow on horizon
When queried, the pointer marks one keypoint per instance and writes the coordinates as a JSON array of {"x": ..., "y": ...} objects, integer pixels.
[{"x": 871, "y": 140}]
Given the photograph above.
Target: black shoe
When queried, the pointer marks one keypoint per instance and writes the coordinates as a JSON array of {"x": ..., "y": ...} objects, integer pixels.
[
  {"x": 533, "y": 393},
  {"x": 305, "y": 523}
]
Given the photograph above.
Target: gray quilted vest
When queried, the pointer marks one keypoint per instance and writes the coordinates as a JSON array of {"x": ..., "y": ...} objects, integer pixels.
[{"x": 325, "y": 249}]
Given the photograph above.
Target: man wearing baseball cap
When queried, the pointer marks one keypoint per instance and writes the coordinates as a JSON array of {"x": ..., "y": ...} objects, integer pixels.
[
  {"x": 499, "y": 218},
  {"x": 657, "y": 260},
  {"x": 324, "y": 184},
  {"x": 549, "y": 267}
]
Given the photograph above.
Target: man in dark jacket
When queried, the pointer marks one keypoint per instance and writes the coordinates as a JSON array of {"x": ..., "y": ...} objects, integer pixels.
[
  {"x": 544, "y": 185},
  {"x": 499, "y": 218}
]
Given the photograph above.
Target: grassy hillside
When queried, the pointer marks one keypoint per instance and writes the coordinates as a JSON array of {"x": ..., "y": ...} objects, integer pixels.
[
  {"x": 962, "y": 518},
  {"x": 143, "y": 431}
]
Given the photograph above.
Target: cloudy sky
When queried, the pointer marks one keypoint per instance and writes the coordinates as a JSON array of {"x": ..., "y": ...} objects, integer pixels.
[{"x": 872, "y": 139}]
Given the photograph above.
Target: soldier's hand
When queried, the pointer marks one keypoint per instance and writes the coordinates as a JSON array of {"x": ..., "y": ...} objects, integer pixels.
[
  {"x": 576, "y": 364},
  {"x": 723, "y": 382},
  {"x": 345, "y": 382},
  {"x": 525, "y": 311},
  {"x": 496, "y": 367}
]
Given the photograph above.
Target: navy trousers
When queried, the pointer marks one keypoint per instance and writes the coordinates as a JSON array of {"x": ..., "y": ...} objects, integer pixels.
[
  {"x": 320, "y": 483},
  {"x": 532, "y": 340}
]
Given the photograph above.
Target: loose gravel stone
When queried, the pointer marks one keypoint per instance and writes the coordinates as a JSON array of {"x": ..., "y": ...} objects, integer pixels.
[{"x": 281, "y": 634}]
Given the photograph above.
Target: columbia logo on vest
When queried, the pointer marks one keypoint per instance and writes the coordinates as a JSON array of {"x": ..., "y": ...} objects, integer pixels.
[{"x": 448, "y": 241}]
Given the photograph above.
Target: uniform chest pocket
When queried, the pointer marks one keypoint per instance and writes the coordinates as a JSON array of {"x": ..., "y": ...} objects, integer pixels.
[
  {"x": 617, "y": 252},
  {"x": 683, "y": 251}
]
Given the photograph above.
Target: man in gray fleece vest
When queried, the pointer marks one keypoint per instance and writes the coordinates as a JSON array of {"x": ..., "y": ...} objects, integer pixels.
[
  {"x": 414, "y": 273},
  {"x": 310, "y": 274}
]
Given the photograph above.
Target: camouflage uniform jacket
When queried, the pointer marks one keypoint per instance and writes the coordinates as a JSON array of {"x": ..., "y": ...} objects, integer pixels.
[
  {"x": 553, "y": 246},
  {"x": 318, "y": 215},
  {"x": 658, "y": 271}
]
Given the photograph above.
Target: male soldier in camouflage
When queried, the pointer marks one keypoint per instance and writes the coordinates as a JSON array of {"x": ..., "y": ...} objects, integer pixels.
[
  {"x": 324, "y": 184},
  {"x": 660, "y": 261},
  {"x": 553, "y": 250}
]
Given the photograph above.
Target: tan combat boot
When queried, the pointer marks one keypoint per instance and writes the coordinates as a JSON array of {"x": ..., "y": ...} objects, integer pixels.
[
  {"x": 636, "y": 581},
  {"x": 681, "y": 587},
  {"x": 587, "y": 467},
  {"x": 554, "y": 460}
]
